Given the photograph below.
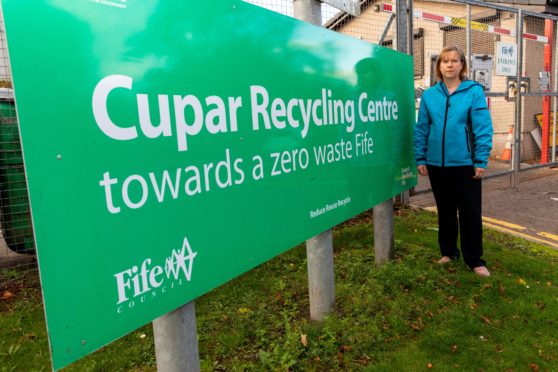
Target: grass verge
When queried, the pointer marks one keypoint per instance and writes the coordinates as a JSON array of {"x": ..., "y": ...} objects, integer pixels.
[{"x": 409, "y": 315}]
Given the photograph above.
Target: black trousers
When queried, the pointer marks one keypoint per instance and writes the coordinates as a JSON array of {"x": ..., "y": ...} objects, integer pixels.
[{"x": 455, "y": 190}]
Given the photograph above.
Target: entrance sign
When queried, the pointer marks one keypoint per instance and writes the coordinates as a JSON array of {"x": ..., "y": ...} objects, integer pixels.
[
  {"x": 506, "y": 59},
  {"x": 171, "y": 146}
]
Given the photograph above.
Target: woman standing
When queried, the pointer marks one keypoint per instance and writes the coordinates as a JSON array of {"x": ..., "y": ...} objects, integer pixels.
[{"x": 453, "y": 139}]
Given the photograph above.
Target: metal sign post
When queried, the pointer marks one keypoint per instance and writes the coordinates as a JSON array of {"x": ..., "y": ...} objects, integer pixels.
[
  {"x": 319, "y": 249},
  {"x": 383, "y": 213},
  {"x": 176, "y": 340}
]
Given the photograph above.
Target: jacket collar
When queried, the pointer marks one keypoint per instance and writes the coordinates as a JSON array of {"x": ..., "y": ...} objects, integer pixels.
[{"x": 464, "y": 85}]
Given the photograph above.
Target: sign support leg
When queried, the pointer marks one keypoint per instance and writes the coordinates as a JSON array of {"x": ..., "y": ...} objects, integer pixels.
[
  {"x": 176, "y": 341},
  {"x": 383, "y": 232},
  {"x": 319, "y": 249},
  {"x": 383, "y": 213},
  {"x": 321, "y": 281}
]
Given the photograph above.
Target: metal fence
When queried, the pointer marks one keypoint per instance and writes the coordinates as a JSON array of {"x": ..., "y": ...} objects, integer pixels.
[
  {"x": 17, "y": 247},
  {"x": 491, "y": 35},
  {"x": 524, "y": 127},
  {"x": 504, "y": 45}
]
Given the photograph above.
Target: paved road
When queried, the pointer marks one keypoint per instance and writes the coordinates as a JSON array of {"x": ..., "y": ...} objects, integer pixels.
[{"x": 530, "y": 210}]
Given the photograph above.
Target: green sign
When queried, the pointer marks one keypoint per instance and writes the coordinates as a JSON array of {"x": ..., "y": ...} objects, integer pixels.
[{"x": 171, "y": 146}]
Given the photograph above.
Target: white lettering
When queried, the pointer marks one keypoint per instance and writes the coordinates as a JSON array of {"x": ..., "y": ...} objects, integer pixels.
[
  {"x": 259, "y": 109},
  {"x": 100, "y": 111},
  {"x": 164, "y": 127},
  {"x": 363, "y": 117},
  {"x": 122, "y": 284},
  {"x": 126, "y": 194},
  {"x": 184, "y": 128},
  {"x": 106, "y": 183}
]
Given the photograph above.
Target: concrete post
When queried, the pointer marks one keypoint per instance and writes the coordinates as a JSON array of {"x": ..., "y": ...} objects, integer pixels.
[
  {"x": 309, "y": 11},
  {"x": 321, "y": 281},
  {"x": 402, "y": 29},
  {"x": 176, "y": 341},
  {"x": 383, "y": 232},
  {"x": 383, "y": 213},
  {"x": 319, "y": 249}
]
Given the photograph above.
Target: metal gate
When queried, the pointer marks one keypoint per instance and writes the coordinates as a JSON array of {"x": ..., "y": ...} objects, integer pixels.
[{"x": 511, "y": 52}]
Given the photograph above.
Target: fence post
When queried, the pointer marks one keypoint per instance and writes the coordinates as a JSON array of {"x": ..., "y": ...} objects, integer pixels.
[
  {"x": 176, "y": 342},
  {"x": 319, "y": 249},
  {"x": 468, "y": 35},
  {"x": 516, "y": 148},
  {"x": 383, "y": 213},
  {"x": 554, "y": 89},
  {"x": 405, "y": 25},
  {"x": 410, "y": 26},
  {"x": 401, "y": 26},
  {"x": 309, "y": 11},
  {"x": 383, "y": 232}
]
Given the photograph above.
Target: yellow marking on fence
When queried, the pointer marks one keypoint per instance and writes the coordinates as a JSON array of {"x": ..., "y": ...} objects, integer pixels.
[
  {"x": 504, "y": 223},
  {"x": 462, "y": 22}
]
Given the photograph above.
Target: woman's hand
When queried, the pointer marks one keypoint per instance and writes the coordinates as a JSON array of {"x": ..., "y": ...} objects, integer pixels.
[
  {"x": 479, "y": 173},
  {"x": 422, "y": 170}
]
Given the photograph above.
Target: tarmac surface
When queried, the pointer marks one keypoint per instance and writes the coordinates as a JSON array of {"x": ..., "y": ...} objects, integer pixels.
[{"x": 530, "y": 210}]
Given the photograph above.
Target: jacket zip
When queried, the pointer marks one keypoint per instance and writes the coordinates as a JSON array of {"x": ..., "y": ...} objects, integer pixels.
[{"x": 444, "y": 132}]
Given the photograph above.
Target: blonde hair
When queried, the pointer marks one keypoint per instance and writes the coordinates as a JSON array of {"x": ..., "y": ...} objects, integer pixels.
[{"x": 447, "y": 49}]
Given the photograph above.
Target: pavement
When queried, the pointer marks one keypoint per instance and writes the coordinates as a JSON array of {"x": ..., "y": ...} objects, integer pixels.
[{"x": 530, "y": 210}]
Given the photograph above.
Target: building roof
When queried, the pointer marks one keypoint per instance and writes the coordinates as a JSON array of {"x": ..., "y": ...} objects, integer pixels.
[
  {"x": 531, "y": 5},
  {"x": 518, "y": 2}
]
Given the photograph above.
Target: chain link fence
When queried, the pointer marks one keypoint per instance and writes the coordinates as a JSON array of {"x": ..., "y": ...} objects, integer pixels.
[
  {"x": 521, "y": 112},
  {"x": 17, "y": 247},
  {"x": 540, "y": 64},
  {"x": 478, "y": 31},
  {"x": 487, "y": 32},
  {"x": 524, "y": 126}
]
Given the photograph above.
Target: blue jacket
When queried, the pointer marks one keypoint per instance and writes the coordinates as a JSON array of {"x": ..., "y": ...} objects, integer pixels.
[{"x": 453, "y": 130}]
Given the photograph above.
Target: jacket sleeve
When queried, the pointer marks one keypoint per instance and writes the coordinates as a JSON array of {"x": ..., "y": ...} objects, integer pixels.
[
  {"x": 422, "y": 130},
  {"x": 482, "y": 128}
]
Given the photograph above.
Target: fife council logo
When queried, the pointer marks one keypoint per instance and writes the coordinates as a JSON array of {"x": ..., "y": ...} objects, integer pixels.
[
  {"x": 406, "y": 173},
  {"x": 145, "y": 282}
]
